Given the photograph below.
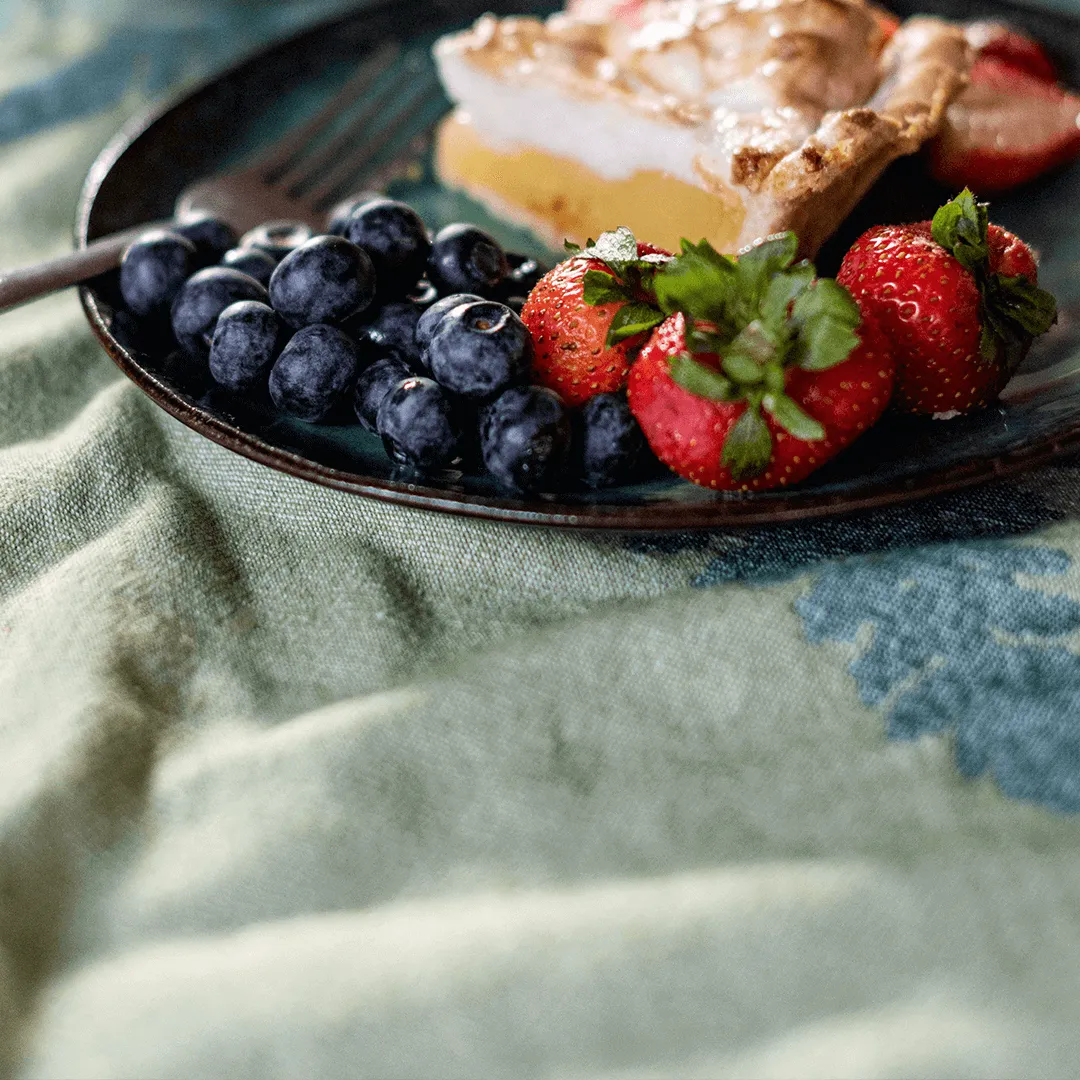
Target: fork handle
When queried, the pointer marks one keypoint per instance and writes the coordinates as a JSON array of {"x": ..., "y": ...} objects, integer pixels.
[{"x": 30, "y": 282}]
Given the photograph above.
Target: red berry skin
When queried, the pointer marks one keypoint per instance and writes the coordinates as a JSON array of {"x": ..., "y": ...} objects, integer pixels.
[
  {"x": 1003, "y": 43},
  {"x": 687, "y": 432},
  {"x": 1009, "y": 255},
  {"x": 927, "y": 305},
  {"x": 570, "y": 353}
]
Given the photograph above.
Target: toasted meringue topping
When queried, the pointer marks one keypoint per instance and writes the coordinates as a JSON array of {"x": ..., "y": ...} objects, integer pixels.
[{"x": 690, "y": 57}]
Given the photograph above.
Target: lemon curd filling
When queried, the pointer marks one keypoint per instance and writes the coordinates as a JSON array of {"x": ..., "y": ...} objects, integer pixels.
[{"x": 560, "y": 199}]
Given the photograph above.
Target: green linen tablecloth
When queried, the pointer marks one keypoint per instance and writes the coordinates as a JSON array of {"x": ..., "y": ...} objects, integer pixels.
[{"x": 295, "y": 784}]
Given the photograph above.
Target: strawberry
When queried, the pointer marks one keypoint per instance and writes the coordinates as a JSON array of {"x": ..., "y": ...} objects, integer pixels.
[
  {"x": 1005, "y": 129},
  {"x": 1002, "y": 42},
  {"x": 762, "y": 372},
  {"x": 958, "y": 299},
  {"x": 589, "y": 316}
]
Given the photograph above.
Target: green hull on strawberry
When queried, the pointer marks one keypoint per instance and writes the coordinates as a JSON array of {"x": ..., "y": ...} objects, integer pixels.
[
  {"x": 958, "y": 299},
  {"x": 746, "y": 374}
]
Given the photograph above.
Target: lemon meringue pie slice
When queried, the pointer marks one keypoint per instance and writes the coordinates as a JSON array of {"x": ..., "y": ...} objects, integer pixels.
[{"x": 725, "y": 120}]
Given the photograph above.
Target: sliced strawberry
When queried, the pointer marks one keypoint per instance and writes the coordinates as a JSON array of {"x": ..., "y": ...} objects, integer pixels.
[
  {"x": 1001, "y": 42},
  {"x": 693, "y": 435},
  {"x": 1005, "y": 129}
]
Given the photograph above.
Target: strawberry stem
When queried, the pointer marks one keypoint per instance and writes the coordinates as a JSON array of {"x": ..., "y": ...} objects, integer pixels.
[
  {"x": 1012, "y": 310},
  {"x": 754, "y": 318},
  {"x": 748, "y": 446}
]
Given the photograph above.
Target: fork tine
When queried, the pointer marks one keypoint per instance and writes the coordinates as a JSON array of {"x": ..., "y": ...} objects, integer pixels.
[
  {"x": 347, "y": 168},
  {"x": 408, "y": 163},
  {"x": 281, "y": 154},
  {"x": 305, "y": 169}
]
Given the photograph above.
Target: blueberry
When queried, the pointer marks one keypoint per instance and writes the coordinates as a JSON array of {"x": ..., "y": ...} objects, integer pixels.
[
  {"x": 395, "y": 237},
  {"x": 153, "y": 270},
  {"x": 250, "y": 261},
  {"x": 432, "y": 318},
  {"x": 211, "y": 236},
  {"x": 423, "y": 294},
  {"x": 373, "y": 384},
  {"x": 466, "y": 259},
  {"x": 338, "y": 219},
  {"x": 326, "y": 280},
  {"x": 610, "y": 440},
  {"x": 247, "y": 340},
  {"x": 314, "y": 370},
  {"x": 277, "y": 238},
  {"x": 524, "y": 274},
  {"x": 392, "y": 333},
  {"x": 524, "y": 437},
  {"x": 480, "y": 349},
  {"x": 203, "y": 298},
  {"x": 418, "y": 424}
]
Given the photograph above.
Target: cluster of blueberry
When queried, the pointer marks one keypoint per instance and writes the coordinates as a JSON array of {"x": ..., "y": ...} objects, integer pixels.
[{"x": 422, "y": 331}]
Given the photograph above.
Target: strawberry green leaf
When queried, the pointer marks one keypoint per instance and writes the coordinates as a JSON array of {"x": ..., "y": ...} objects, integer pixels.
[
  {"x": 960, "y": 228},
  {"x": 1024, "y": 303},
  {"x": 640, "y": 277},
  {"x": 774, "y": 378},
  {"x": 826, "y": 299},
  {"x": 1001, "y": 340},
  {"x": 772, "y": 254},
  {"x": 700, "y": 379},
  {"x": 826, "y": 343},
  {"x": 757, "y": 340},
  {"x": 701, "y": 283},
  {"x": 600, "y": 287},
  {"x": 1013, "y": 310},
  {"x": 757, "y": 266},
  {"x": 826, "y": 317},
  {"x": 631, "y": 320},
  {"x": 705, "y": 341},
  {"x": 748, "y": 446},
  {"x": 617, "y": 250},
  {"x": 571, "y": 247},
  {"x": 763, "y": 311},
  {"x": 741, "y": 369},
  {"x": 755, "y": 343},
  {"x": 791, "y": 418},
  {"x": 783, "y": 291}
]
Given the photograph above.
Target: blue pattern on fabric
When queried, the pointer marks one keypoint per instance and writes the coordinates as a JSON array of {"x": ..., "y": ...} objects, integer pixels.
[{"x": 958, "y": 645}]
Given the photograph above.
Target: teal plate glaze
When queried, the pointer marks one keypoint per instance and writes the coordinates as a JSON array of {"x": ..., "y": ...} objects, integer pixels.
[{"x": 138, "y": 177}]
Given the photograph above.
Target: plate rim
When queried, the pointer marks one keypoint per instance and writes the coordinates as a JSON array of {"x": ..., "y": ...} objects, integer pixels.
[{"x": 709, "y": 511}]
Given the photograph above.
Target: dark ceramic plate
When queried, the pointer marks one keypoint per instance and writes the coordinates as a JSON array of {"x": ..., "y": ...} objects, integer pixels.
[{"x": 139, "y": 175}]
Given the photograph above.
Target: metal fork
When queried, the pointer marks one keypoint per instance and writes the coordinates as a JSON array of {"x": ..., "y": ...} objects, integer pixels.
[{"x": 298, "y": 178}]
